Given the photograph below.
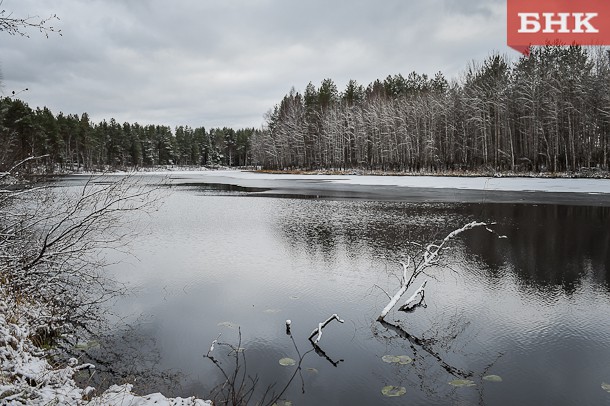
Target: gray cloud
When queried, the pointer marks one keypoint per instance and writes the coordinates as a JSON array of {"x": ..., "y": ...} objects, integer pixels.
[{"x": 217, "y": 63}]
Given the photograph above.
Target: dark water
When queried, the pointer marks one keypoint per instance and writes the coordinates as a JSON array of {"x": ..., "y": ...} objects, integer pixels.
[{"x": 532, "y": 308}]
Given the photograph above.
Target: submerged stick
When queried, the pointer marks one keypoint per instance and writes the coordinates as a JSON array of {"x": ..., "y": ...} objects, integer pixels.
[
  {"x": 318, "y": 330},
  {"x": 393, "y": 302},
  {"x": 430, "y": 258},
  {"x": 413, "y": 297}
]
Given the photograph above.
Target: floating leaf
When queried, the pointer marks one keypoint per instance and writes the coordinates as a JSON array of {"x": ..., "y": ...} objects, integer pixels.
[
  {"x": 312, "y": 370},
  {"x": 493, "y": 378},
  {"x": 390, "y": 359},
  {"x": 87, "y": 345},
  {"x": 459, "y": 383},
  {"x": 393, "y": 391},
  {"x": 272, "y": 311},
  {"x": 227, "y": 324},
  {"x": 397, "y": 359},
  {"x": 287, "y": 362},
  {"x": 606, "y": 387}
]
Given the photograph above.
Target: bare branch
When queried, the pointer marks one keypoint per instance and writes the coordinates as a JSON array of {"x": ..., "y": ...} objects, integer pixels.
[
  {"x": 430, "y": 257},
  {"x": 18, "y": 164},
  {"x": 20, "y": 25},
  {"x": 318, "y": 330}
]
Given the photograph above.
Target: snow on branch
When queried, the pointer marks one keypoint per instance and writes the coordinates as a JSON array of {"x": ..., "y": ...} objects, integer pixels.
[
  {"x": 318, "y": 330},
  {"x": 430, "y": 257},
  {"x": 411, "y": 300},
  {"x": 213, "y": 344}
]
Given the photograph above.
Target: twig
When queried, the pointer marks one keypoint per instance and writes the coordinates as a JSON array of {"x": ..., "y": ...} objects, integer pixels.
[
  {"x": 212, "y": 346},
  {"x": 430, "y": 257},
  {"x": 411, "y": 299},
  {"x": 381, "y": 289},
  {"x": 18, "y": 164},
  {"x": 318, "y": 330}
]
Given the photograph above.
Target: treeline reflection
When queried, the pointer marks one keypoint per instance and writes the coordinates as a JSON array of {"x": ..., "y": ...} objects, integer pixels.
[{"x": 547, "y": 245}]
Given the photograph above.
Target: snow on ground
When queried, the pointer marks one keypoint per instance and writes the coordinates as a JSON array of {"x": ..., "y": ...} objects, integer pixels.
[
  {"x": 27, "y": 378},
  {"x": 481, "y": 183},
  {"x": 514, "y": 184}
]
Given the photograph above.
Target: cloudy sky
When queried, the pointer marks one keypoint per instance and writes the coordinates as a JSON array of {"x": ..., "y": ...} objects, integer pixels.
[{"x": 226, "y": 62}]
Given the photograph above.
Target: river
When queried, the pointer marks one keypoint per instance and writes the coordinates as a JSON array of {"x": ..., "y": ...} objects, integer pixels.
[{"x": 239, "y": 255}]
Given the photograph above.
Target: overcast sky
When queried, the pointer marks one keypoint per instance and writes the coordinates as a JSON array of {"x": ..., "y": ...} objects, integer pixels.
[{"x": 226, "y": 62}]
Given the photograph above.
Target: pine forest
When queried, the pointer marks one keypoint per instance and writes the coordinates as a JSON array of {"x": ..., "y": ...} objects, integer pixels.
[{"x": 546, "y": 112}]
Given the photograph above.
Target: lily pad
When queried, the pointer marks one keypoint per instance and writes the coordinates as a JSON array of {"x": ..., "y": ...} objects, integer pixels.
[
  {"x": 287, "y": 362},
  {"x": 606, "y": 387},
  {"x": 393, "y": 391},
  {"x": 460, "y": 383},
  {"x": 492, "y": 378},
  {"x": 87, "y": 345},
  {"x": 390, "y": 359},
  {"x": 227, "y": 324},
  {"x": 397, "y": 359},
  {"x": 404, "y": 359}
]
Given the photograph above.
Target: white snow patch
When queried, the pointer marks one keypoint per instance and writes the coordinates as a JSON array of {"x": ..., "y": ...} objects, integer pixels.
[
  {"x": 559, "y": 185},
  {"x": 27, "y": 378},
  {"x": 121, "y": 395}
]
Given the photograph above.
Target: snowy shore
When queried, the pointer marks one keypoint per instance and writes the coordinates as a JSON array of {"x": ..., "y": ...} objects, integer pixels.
[
  {"x": 27, "y": 377},
  {"x": 474, "y": 183},
  {"x": 508, "y": 184}
]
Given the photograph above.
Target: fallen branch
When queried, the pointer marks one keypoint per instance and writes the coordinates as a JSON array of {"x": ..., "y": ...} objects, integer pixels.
[
  {"x": 318, "y": 330},
  {"x": 430, "y": 257},
  {"x": 410, "y": 302}
]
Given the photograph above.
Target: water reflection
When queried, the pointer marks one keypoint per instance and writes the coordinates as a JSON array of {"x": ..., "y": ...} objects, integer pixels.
[
  {"x": 531, "y": 308},
  {"x": 547, "y": 244},
  {"x": 387, "y": 228},
  {"x": 524, "y": 302}
]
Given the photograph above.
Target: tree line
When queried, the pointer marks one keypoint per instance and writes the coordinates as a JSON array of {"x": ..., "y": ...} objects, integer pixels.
[
  {"x": 549, "y": 111},
  {"x": 546, "y": 112},
  {"x": 72, "y": 142}
]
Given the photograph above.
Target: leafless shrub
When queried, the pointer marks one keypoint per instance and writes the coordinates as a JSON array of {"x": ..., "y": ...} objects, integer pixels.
[{"x": 50, "y": 244}]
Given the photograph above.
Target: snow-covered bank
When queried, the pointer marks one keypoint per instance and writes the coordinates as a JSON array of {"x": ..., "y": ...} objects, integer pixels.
[
  {"x": 489, "y": 183},
  {"x": 561, "y": 185},
  {"x": 27, "y": 377}
]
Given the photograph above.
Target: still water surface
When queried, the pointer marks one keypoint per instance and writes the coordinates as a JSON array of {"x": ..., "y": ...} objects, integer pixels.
[{"x": 533, "y": 308}]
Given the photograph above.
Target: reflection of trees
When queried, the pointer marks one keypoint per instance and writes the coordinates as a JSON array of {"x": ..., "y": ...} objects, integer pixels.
[
  {"x": 548, "y": 244},
  {"x": 385, "y": 228}
]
